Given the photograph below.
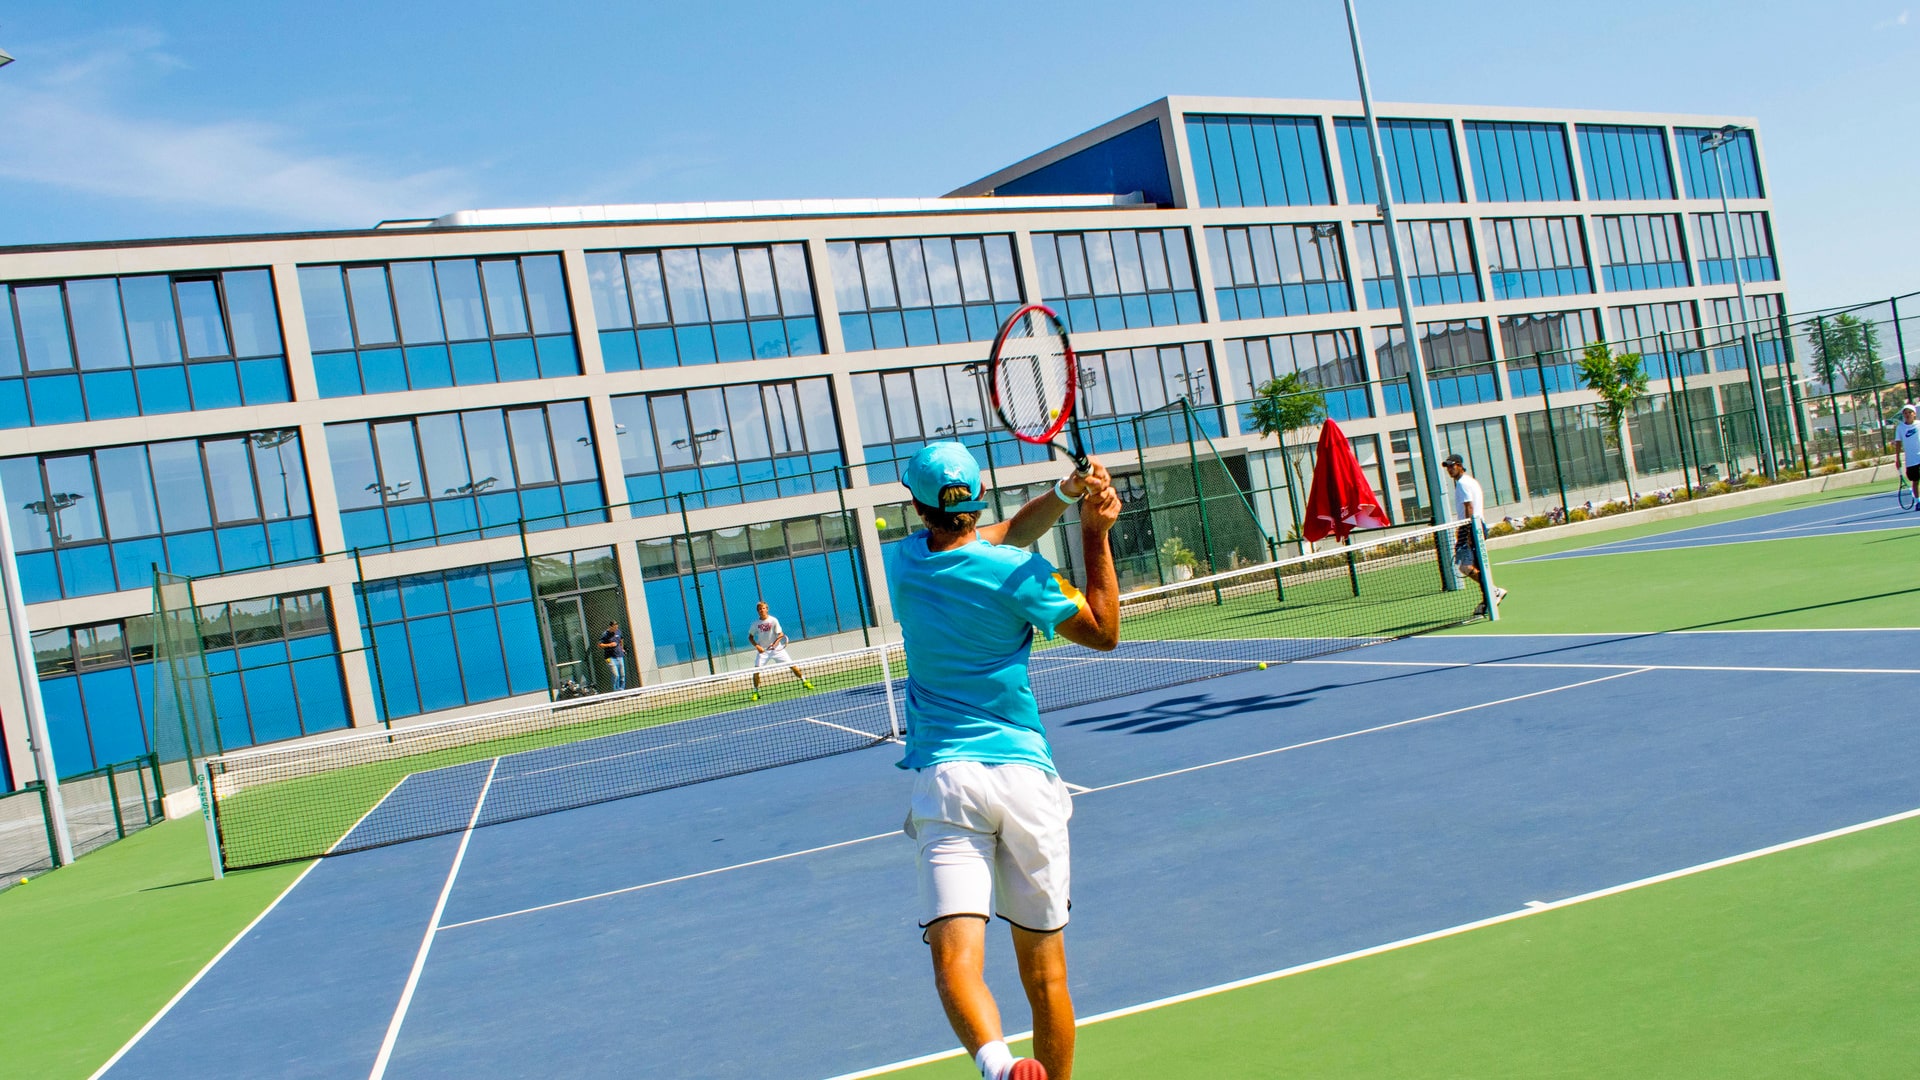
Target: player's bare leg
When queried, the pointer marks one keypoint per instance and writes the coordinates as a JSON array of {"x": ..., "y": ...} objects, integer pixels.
[
  {"x": 802, "y": 676},
  {"x": 1043, "y": 972},
  {"x": 959, "y": 958}
]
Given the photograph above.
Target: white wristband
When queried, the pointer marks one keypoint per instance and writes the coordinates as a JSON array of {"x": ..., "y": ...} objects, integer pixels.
[{"x": 1062, "y": 495}]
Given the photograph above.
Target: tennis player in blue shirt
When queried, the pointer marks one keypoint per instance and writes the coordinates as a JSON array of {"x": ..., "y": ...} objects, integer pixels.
[{"x": 989, "y": 810}]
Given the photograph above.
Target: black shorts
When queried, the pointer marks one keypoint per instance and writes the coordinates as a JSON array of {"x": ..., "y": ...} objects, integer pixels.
[
  {"x": 1463, "y": 555},
  {"x": 1913, "y": 473}
]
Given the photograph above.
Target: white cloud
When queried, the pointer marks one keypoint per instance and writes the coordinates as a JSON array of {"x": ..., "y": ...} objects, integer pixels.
[
  {"x": 65, "y": 129},
  {"x": 1897, "y": 20}
]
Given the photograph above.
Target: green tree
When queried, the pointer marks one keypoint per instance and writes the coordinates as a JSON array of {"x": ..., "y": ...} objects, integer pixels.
[
  {"x": 1621, "y": 381},
  {"x": 1281, "y": 407},
  {"x": 1846, "y": 352}
]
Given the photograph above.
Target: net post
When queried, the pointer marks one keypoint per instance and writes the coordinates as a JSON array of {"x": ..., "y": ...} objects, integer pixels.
[
  {"x": 203, "y": 779},
  {"x": 1486, "y": 570},
  {"x": 886, "y": 680}
]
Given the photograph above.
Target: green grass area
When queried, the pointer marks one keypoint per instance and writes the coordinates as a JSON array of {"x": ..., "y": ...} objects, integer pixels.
[
  {"x": 93, "y": 950},
  {"x": 303, "y": 816},
  {"x": 1803, "y": 971},
  {"x": 1795, "y": 965},
  {"x": 1626, "y": 529}
]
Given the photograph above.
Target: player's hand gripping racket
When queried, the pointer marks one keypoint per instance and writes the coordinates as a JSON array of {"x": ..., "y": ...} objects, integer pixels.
[{"x": 1035, "y": 380}]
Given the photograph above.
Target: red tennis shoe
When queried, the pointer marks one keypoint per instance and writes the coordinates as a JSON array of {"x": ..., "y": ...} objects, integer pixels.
[{"x": 1027, "y": 1069}]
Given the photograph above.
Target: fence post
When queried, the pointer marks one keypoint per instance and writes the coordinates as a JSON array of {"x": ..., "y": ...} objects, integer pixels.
[
  {"x": 1793, "y": 392},
  {"x": 1833, "y": 395},
  {"x": 1900, "y": 343},
  {"x": 1674, "y": 403},
  {"x": 1200, "y": 496},
  {"x": 852, "y": 524},
  {"x": 1553, "y": 437},
  {"x": 886, "y": 680},
  {"x": 113, "y": 798},
  {"x": 46, "y": 818},
  {"x": 699, "y": 598}
]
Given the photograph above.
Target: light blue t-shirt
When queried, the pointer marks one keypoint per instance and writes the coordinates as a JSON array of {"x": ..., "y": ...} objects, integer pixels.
[{"x": 967, "y": 617}]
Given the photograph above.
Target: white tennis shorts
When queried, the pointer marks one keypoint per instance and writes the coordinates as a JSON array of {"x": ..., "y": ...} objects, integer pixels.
[
  {"x": 772, "y": 656},
  {"x": 993, "y": 841}
]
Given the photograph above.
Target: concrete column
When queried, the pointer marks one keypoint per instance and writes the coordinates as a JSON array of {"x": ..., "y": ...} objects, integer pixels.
[
  {"x": 586, "y": 329},
  {"x": 293, "y": 332}
]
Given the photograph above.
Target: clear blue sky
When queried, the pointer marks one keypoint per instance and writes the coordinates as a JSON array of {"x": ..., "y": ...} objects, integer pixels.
[{"x": 124, "y": 120}]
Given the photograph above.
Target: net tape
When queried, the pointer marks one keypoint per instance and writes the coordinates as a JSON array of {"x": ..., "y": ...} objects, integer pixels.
[{"x": 369, "y": 788}]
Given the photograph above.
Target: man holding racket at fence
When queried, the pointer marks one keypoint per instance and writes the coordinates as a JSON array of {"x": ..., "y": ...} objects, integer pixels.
[{"x": 989, "y": 811}]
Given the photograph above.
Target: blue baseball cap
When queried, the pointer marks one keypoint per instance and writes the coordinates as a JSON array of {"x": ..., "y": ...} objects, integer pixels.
[{"x": 941, "y": 465}]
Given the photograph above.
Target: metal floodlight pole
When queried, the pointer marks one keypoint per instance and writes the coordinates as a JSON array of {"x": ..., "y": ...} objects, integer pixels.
[
  {"x": 1416, "y": 367},
  {"x": 1714, "y": 143},
  {"x": 1900, "y": 342},
  {"x": 36, "y": 710}
]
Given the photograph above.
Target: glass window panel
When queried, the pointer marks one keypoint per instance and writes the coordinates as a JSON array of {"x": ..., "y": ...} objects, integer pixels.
[
  {"x": 179, "y": 485},
  {"x": 1153, "y": 260},
  {"x": 126, "y": 492},
  {"x": 43, "y": 327},
  {"x": 790, "y": 267},
  {"x": 635, "y": 432},
  {"x": 350, "y": 451},
  {"x": 1006, "y": 282},
  {"x": 487, "y": 456},
  {"x": 372, "y": 307},
  {"x": 506, "y": 307},
  {"x": 849, "y": 294},
  {"x": 231, "y": 471},
  {"x": 901, "y": 406},
  {"x": 975, "y": 281},
  {"x": 276, "y": 457},
  {"x": 418, "y": 301},
  {"x": 446, "y": 458},
  {"x": 1100, "y": 266},
  {"x": 321, "y": 293},
  {"x": 200, "y": 320},
  {"x": 546, "y": 294},
  {"x": 747, "y": 420},
  {"x": 722, "y": 274},
  {"x": 1179, "y": 261},
  {"x": 756, "y": 275},
  {"x": 399, "y": 460},
  {"x": 71, "y": 499},
  {"x": 21, "y": 484},
  {"x": 684, "y": 288},
  {"x": 608, "y": 283},
  {"x": 649, "y": 289},
  {"x": 1126, "y": 258},
  {"x": 707, "y": 411},
  {"x": 878, "y": 271},
  {"x": 1073, "y": 265},
  {"x": 969, "y": 413},
  {"x": 572, "y": 441},
  {"x": 9, "y": 345},
  {"x": 870, "y": 408},
  {"x": 251, "y": 312},
  {"x": 532, "y": 455},
  {"x": 911, "y": 271},
  {"x": 670, "y": 424},
  {"x": 99, "y": 329},
  {"x": 943, "y": 274},
  {"x": 936, "y": 415},
  {"x": 782, "y": 405},
  {"x": 460, "y": 304}
]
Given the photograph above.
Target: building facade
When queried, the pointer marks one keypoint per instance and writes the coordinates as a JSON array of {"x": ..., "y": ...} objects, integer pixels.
[{"x": 415, "y": 470}]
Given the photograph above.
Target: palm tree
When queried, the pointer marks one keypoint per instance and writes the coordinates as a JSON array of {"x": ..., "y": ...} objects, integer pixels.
[
  {"x": 1282, "y": 406},
  {"x": 1621, "y": 382}
]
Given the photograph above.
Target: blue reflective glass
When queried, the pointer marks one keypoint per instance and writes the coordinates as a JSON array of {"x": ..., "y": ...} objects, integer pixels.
[
  {"x": 803, "y": 337},
  {"x": 695, "y": 344},
  {"x": 110, "y": 395},
  {"x": 383, "y": 371},
  {"x": 732, "y": 342},
  {"x": 428, "y": 367},
  {"x": 477, "y": 649},
  {"x": 472, "y": 363},
  {"x": 215, "y": 385},
  {"x": 618, "y": 351},
  {"x": 67, "y": 726},
  {"x": 769, "y": 338},
  {"x": 264, "y": 381},
  {"x": 364, "y": 528},
  {"x": 13, "y": 404},
  {"x": 56, "y": 399},
  {"x": 557, "y": 355},
  {"x": 515, "y": 360},
  {"x": 336, "y": 374},
  {"x": 436, "y": 665},
  {"x": 270, "y": 703},
  {"x": 322, "y": 698},
  {"x": 393, "y": 662},
  {"x": 243, "y": 547},
  {"x": 510, "y": 582},
  {"x": 857, "y": 331},
  {"x": 659, "y": 348},
  {"x": 85, "y": 571},
  {"x": 525, "y": 659}
]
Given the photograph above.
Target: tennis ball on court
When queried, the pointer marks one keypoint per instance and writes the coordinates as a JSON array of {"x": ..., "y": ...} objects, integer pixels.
[
  {"x": 879, "y": 523},
  {"x": 1263, "y": 665}
]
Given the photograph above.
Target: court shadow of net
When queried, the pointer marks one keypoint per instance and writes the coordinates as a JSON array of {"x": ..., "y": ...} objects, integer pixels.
[{"x": 1174, "y": 713}]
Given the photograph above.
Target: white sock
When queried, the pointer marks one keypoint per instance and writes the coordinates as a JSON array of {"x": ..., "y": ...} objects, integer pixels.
[{"x": 994, "y": 1060}]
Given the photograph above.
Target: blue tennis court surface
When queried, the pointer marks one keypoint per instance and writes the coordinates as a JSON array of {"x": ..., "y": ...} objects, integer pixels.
[
  {"x": 1866, "y": 513},
  {"x": 763, "y": 925}
]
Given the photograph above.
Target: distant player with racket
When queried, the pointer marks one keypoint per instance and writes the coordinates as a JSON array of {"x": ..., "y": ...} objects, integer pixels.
[
  {"x": 989, "y": 811},
  {"x": 1907, "y": 434},
  {"x": 770, "y": 647}
]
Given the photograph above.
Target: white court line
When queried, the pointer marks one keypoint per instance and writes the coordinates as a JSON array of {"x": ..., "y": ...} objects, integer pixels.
[
  {"x": 1612, "y": 667},
  {"x": 221, "y": 955},
  {"x": 1363, "y": 731},
  {"x": 672, "y": 880},
  {"x": 848, "y": 730},
  {"x": 1530, "y": 909},
  {"x": 716, "y": 736},
  {"x": 1619, "y": 547},
  {"x": 1077, "y": 790},
  {"x": 433, "y": 927}
]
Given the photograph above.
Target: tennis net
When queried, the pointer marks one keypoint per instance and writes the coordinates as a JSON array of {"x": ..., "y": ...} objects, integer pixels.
[{"x": 371, "y": 788}]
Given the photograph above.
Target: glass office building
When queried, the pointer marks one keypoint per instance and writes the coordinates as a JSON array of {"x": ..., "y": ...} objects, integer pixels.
[{"x": 415, "y": 469}]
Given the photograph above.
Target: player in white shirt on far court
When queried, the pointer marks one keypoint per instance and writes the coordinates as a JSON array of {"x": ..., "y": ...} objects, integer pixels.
[
  {"x": 770, "y": 647},
  {"x": 1907, "y": 434},
  {"x": 1468, "y": 506}
]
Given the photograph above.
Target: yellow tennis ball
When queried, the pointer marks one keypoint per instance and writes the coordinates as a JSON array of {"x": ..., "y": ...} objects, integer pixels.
[
  {"x": 1053, "y": 414},
  {"x": 879, "y": 523},
  {"x": 1263, "y": 665}
]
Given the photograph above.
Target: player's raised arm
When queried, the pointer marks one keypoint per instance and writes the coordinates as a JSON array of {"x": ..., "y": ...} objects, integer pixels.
[
  {"x": 1097, "y": 624},
  {"x": 1031, "y": 522}
]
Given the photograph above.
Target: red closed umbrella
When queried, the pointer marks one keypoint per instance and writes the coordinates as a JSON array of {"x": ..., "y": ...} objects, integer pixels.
[{"x": 1341, "y": 500}]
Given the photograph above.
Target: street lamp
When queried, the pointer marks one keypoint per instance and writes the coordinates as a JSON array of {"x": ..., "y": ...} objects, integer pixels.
[
  {"x": 1713, "y": 143},
  {"x": 50, "y": 508},
  {"x": 698, "y": 439},
  {"x": 477, "y": 487},
  {"x": 274, "y": 440},
  {"x": 390, "y": 492}
]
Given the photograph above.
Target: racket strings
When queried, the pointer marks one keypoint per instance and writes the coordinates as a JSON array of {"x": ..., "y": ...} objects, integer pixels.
[{"x": 1031, "y": 378}]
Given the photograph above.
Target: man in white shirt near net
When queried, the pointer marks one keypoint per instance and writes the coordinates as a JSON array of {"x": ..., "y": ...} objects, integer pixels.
[
  {"x": 1907, "y": 433},
  {"x": 1468, "y": 505},
  {"x": 770, "y": 647}
]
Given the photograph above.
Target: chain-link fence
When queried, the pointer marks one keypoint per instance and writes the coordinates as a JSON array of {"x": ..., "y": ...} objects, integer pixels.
[{"x": 102, "y": 806}]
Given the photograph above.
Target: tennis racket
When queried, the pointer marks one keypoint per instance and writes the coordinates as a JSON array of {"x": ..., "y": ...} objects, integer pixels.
[
  {"x": 1905, "y": 489},
  {"x": 1035, "y": 378}
]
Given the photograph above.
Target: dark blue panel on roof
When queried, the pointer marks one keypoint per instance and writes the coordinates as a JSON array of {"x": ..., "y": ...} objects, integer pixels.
[{"x": 1133, "y": 160}]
